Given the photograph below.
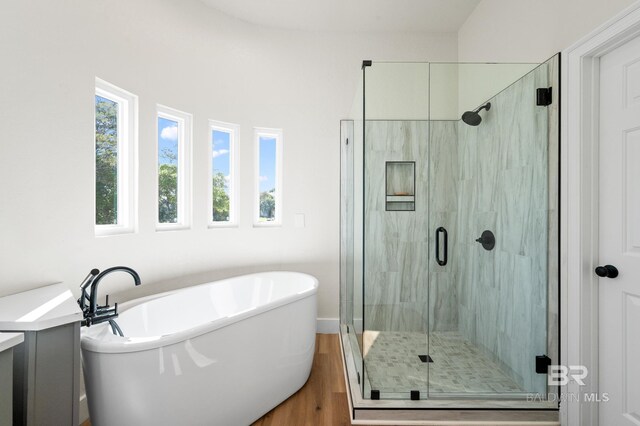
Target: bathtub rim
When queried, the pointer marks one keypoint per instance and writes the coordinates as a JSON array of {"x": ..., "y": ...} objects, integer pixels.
[{"x": 115, "y": 344}]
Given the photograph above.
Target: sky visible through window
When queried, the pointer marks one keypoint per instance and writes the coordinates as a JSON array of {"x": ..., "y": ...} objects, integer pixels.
[
  {"x": 167, "y": 141},
  {"x": 220, "y": 161},
  {"x": 267, "y": 163},
  {"x": 221, "y": 175},
  {"x": 267, "y": 176}
]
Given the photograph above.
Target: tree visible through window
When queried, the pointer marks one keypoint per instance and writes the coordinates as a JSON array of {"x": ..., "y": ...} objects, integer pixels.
[
  {"x": 267, "y": 173},
  {"x": 106, "y": 119},
  {"x": 220, "y": 166},
  {"x": 116, "y": 121},
  {"x": 168, "y": 140}
]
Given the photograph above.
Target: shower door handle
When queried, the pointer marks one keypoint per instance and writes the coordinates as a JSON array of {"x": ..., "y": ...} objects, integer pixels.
[{"x": 442, "y": 260}]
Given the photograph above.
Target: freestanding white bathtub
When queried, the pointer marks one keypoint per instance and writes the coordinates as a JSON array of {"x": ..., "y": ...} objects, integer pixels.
[{"x": 222, "y": 353}]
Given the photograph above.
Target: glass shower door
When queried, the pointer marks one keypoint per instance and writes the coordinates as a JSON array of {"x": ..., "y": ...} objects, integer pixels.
[
  {"x": 351, "y": 241},
  {"x": 395, "y": 234},
  {"x": 489, "y": 199}
]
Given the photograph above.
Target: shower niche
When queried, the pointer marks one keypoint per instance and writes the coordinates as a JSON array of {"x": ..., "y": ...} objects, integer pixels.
[
  {"x": 466, "y": 148},
  {"x": 400, "y": 184}
]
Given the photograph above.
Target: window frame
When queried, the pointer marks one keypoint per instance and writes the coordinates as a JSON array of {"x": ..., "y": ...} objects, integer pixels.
[
  {"x": 184, "y": 195},
  {"x": 276, "y": 134},
  {"x": 234, "y": 137},
  {"x": 127, "y": 169}
]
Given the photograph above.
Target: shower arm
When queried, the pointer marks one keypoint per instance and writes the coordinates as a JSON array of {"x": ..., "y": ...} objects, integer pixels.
[{"x": 486, "y": 106}]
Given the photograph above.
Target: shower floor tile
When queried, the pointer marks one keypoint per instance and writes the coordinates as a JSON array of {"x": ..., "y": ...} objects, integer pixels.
[{"x": 393, "y": 366}]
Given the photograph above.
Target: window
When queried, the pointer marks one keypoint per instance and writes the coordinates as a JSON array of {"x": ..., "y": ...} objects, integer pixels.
[
  {"x": 222, "y": 173},
  {"x": 174, "y": 168},
  {"x": 116, "y": 114},
  {"x": 269, "y": 171}
]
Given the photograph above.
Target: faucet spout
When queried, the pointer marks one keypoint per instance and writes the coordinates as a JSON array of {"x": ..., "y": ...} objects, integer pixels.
[{"x": 93, "y": 316}]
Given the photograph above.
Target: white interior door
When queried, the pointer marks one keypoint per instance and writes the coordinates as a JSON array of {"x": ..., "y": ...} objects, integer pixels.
[{"x": 619, "y": 235}]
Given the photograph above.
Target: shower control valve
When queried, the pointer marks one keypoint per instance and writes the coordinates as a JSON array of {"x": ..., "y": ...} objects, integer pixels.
[{"x": 488, "y": 240}]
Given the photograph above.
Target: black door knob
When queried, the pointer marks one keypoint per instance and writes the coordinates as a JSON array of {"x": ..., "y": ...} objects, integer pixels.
[{"x": 607, "y": 271}]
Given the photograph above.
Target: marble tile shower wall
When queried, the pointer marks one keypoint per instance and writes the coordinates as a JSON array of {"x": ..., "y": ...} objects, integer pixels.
[
  {"x": 503, "y": 187},
  {"x": 395, "y": 241},
  {"x": 397, "y": 255},
  {"x": 443, "y": 211}
]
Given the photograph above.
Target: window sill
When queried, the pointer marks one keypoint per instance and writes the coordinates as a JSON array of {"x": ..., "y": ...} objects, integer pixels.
[
  {"x": 109, "y": 230},
  {"x": 171, "y": 227},
  {"x": 214, "y": 225},
  {"x": 267, "y": 224}
]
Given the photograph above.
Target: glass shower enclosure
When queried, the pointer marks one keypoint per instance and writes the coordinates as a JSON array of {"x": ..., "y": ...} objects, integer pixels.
[{"x": 449, "y": 231}]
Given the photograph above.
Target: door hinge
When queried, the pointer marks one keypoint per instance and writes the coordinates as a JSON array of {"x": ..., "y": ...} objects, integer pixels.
[
  {"x": 347, "y": 329},
  {"x": 358, "y": 375},
  {"x": 366, "y": 63},
  {"x": 543, "y": 96},
  {"x": 542, "y": 364}
]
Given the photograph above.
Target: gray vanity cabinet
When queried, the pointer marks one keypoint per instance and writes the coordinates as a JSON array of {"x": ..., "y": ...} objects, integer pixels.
[
  {"x": 8, "y": 341},
  {"x": 46, "y": 366}
]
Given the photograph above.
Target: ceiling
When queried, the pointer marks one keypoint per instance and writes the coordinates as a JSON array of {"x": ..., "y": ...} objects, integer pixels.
[{"x": 351, "y": 15}]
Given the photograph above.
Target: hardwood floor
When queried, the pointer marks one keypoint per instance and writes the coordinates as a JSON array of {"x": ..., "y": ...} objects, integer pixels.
[{"x": 322, "y": 400}]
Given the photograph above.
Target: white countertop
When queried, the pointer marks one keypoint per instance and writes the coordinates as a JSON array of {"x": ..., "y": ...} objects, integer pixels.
[
  {"x": 39, "y": 309},
  {"x": 9, "y": 340}
]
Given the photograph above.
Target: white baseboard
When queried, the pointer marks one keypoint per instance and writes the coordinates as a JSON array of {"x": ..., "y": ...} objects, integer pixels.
[{"x": 328, "y": 326}]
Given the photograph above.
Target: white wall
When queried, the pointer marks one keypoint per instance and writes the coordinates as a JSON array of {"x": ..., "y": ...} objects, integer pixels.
[
  {"x": 397, "y": 91},
  {"x": 477, "y": 83},
  {"x": 187, "y": 56},
  {"x": 529, "y": 30}
]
